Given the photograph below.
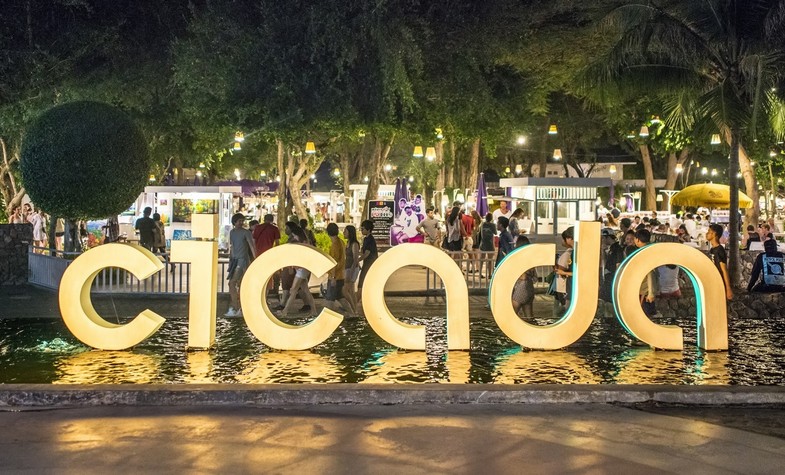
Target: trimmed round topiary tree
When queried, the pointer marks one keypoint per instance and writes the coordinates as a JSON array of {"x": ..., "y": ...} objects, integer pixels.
[{"x": 84, "y": 160}]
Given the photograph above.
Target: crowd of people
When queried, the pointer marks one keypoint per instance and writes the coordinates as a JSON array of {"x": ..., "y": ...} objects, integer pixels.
[
  {"x": 464, "y": 234},
  {"x": 344, "y": 282},
  {"x": 461, "y": 232}
]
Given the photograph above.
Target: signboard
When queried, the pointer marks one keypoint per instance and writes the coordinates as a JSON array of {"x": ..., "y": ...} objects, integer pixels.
[
  {"x": 382, "y": 214},
  {"x": 89, "y": 327}
]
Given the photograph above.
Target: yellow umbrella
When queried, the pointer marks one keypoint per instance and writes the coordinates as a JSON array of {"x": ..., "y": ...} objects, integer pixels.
[{"x": 710, "y": 195}]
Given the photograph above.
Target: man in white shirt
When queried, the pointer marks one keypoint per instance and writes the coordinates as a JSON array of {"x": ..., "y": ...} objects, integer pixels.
[
  {"x": 503, "y": 210},
  {"x": 692, "y": 228}
]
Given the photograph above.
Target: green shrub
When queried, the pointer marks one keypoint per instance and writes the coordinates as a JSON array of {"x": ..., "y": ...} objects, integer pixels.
[{"x": 84, "y": 160}]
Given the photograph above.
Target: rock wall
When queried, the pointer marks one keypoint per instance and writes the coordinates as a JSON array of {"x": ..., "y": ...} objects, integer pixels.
[
  {"x": 744, "y": 305},
  {"x": 14, "y": 242}
]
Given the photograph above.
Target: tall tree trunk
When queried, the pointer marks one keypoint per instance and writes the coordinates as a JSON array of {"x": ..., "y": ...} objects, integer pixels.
[
  {"x": 281, "y": 184},
  {"x": 12, "y": 194},
  {"x": 347, "y": 158},
  {"x": 381, "y": 151},
  {"x": 733, "y": 219},
  {"x": 744, "y": 165},
  {"x": 51, "y": 236},
  {"x": 450, "y": 182},
  {"x": 648, "y": 173},
  {"x": 439, "y": 191},
  {"x": 474, "y": 164},
  {"x": 542, "y": 160},
  {"x": 673, "y": 160}
]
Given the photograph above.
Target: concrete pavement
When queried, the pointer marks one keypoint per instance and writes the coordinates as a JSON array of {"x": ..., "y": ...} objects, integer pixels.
[{"x": 379, "y": 439}]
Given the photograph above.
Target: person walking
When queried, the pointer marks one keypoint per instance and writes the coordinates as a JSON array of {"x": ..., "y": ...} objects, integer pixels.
[
  {"x": 36, "y": 218},
  {"x": 266, "y": 236},
  {"x": 523, "y": 291},
  {"x": 334, "y": 294},
  {"x": 297, "y": 235},
  {"x": 368, "y": 255},
  {"x": 506, "y": 244},
  {"x": 242, "y": 252},
  {"x": 455, "y": 232},
  {"x": 647, "y": 290},
  {"x": 146, "y": 228},
  {"x": 487, "y": 235},
  {"x": 719, "y": 256},
  {"x": 159, "y": 240},
  {"x": 352, "y": 269},
  {"x": 515, "y": 229},
  {"x": 563, "y": 271}
]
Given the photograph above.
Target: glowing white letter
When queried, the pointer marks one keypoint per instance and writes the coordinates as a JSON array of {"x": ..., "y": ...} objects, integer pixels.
[
  {"x": 262, "y": 323},
  {"x": 77, "y": 308},
  {"x": 412, "y": 337},
  {"x": 585, "y": 290}
]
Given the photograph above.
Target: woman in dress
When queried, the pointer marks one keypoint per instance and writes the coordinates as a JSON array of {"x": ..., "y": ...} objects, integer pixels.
[{"x": 352, "y": 268}]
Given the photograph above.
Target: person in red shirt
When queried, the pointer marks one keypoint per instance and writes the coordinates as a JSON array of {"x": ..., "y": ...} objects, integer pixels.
[
  {"x": 265, "y": 237},
  {"x": 468, "y": 240}
]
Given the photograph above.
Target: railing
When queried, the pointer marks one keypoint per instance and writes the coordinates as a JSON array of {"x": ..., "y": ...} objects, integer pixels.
[
  {"x": 46, "y": 269},
  {"x": 477, "y": 269},
  {"x": 173, "y": 279}
]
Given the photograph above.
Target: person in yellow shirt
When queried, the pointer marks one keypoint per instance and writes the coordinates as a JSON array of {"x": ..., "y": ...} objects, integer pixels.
[{"x": 334, "y": 293}]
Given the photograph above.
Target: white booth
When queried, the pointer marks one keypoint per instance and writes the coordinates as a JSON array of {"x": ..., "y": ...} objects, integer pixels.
[
  {"x": 555, "y": 203},
  {"x": 175, "y": 204}
]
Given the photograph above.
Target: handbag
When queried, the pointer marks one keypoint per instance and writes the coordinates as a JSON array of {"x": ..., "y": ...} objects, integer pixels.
[
  {"x": 329, "y": 291},
  {"x": 552, "y": 287}
]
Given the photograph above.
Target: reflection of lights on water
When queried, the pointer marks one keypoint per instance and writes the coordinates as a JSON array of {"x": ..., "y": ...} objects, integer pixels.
[
  {"x": 109, "y": 367},
  {"x": 538, "y": 367},
  {"x": 289, "y": 367}
]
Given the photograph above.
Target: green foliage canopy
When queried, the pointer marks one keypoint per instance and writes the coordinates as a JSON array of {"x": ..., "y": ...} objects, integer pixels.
[{"x": 84, "y": 160}]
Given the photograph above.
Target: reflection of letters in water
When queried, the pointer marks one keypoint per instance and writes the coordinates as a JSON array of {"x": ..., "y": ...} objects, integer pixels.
[{"x": 773, "y": 270}]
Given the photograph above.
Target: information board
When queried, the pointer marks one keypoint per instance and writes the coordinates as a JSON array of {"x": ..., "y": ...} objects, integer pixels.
[{"x": 382, "y": 215}]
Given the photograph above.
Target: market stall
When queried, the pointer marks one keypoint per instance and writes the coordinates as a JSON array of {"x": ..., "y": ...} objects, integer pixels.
[{"x": 555, "y": 203}]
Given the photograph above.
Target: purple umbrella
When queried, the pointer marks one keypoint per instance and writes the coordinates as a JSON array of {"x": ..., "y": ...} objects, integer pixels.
[{"x": 482, "y": 196}]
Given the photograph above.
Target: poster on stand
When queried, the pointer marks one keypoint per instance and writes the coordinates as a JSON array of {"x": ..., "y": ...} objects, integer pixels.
[
  {"x": 382, "y": 214},
  {"x": 408, "y": 214}
]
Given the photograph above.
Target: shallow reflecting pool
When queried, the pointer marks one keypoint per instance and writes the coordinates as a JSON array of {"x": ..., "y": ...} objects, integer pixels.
[{"x": 43, "y": 351}]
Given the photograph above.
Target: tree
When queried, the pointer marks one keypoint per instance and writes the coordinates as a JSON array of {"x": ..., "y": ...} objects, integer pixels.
[
  {"x": 725, "y": 53},
  {"x": 84, "y": 160}
]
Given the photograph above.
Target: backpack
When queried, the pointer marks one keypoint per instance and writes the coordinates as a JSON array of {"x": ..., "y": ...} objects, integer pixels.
[{"x": 774, "y": 270}]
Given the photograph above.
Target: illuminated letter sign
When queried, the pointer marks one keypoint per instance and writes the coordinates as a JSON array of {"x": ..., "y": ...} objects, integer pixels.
[
  {"x": 404, "y": 335},
  {"x": 709, "y": 297},
  {"x": 77, "y": 309},
  {"x": 83, "y": 321},
  {"x": 585, "y": 289},
  {"x": 203, "y": 256},
  {"x": 262, "y": 323}
]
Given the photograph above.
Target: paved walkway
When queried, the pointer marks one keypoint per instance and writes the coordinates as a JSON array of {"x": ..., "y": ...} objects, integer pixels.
[{"x": 379, "y": 439}]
